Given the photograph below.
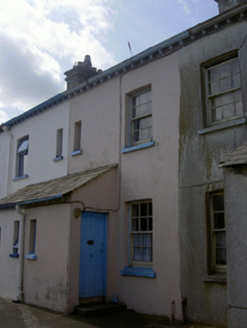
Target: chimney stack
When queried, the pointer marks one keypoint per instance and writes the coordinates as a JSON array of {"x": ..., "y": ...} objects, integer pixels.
[
  {"x": 225, "y": 5},
  {"x": 80, "y": 72}
]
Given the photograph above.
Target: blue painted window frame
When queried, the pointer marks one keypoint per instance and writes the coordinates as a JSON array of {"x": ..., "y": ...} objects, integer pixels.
[{"x": 132, "y": 269}]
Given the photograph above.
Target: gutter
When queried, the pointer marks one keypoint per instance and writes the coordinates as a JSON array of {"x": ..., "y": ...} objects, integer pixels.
[
  {"x": 29, "y": 202},
  {"x": 21, "y": 212}
]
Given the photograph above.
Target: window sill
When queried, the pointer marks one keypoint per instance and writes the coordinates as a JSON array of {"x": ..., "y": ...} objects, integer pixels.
[
  {"x": 138, "y": 147},
  {"x": 219, "y": 277},
  {"x": 223, "y": 125},
  {"x": 138, "y": 272},
  {"x": 31, "y": 257},
  {"x": 58, "y": 158},
  {"x": 14, "y": 255},
  {"x": 76, "y": 152},
  {"x": 21, "y": 177}
]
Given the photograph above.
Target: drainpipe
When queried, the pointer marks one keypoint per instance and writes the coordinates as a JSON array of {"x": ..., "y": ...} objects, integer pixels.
[{"x": 21, "y": 212}]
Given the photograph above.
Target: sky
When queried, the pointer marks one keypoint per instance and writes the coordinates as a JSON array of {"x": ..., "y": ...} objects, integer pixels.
[{"x": 42, "y": 39}]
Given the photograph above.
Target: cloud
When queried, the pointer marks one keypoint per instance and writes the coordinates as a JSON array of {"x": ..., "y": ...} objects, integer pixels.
[
  {"x": 185, "y": 6},
  {"x": 40, "y": 40}
]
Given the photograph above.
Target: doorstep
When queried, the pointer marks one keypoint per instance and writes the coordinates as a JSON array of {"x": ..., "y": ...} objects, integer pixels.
[{"x": 89, "y": 310}]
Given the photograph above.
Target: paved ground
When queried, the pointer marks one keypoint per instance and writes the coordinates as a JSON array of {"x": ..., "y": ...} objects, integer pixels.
[{"x": 16, "y": 315}]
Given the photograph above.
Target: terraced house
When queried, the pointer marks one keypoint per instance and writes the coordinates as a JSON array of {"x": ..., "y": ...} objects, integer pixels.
[{"x": 130, "y": 185}]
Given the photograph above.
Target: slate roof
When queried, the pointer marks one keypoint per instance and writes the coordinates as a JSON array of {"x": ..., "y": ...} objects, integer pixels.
[
  {"x": 53, "y": 189},
  {"x": 237, "y": 157}
]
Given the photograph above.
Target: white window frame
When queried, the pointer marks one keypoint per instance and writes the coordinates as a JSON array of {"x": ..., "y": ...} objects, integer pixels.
[
  {"x": 136, "y": 133},
  {"x": 139, "y": 232},
  {"x": 231, "y": 92},
  {"x": 22, "y": 156},
  {"x": 215, "y": 232}
]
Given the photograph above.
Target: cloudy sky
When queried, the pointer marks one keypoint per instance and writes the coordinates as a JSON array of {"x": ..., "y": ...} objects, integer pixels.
[{"x": 41, "y": 39}]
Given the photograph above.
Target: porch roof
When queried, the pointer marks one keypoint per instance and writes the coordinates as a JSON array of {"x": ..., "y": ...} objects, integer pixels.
[
  {"x": 237, "y": 157},
  {"x": 53, "y": 189}
]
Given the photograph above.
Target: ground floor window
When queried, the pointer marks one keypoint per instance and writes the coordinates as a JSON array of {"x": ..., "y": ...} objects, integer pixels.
[
  {"x": 217, "y": 232},
  {"x": 141, "y": 233}
]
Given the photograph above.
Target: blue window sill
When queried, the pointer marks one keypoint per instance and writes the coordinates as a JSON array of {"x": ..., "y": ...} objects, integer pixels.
[
  {"x": 223, "y": 125},
  {"x": 138, "y": 272},
  {"x": 76, "y": 152},
  {"x": 138, "y": 147},
  {"x": 14, "y": 255},
  {"x": 21, "y": 177},
  {"x": 31, "y": 257},
  {"x": 57, "y": 159}
]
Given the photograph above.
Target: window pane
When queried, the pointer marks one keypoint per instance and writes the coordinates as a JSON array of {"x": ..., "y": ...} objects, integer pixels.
[
  {"x": 228, "y": 111},
  {"x": 135, "y": 210},
  {"x": 137, "y": 240},
  {"x": 144, "y": 209},
  {"x": 225, "y": 84},
  {"x": 145, "y": 134},
  {"x": 238, "y": 108},
  {"x": 147, "y": 254},
  {"x": 234, "y": 66},
  {"x": 214, "y": 88},
  {"x": 137, "y": 254},
  {"x": 236, "y": 81},
  {"x": 135, "y": 224},
  {"x": 150, "y": 222},
  {"x": 220, "y": 240},
  {"x": 221, "y": 256},
  {"x": 219, "y": 221},
  {"x": 144, "y": 224},
  {"x": 218, "y": 202}
]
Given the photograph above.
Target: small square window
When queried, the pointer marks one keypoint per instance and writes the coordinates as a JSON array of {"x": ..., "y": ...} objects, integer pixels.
[
  {"x": 217, "y": 233},
  {"x": 141, "y": 234},
  {"x": 22, "y": 156},
  {"x": 140, "y": 117},
  {"x": 223, "y": 91}
]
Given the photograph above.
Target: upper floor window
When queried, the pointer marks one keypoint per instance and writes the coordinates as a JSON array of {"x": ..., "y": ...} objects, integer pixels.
[
  {"x": 77, "y": 136},
  {"x": 140, "y": 117},
  {"x": 59, "y": 145},
  {"x": 77, "y": 139},
  {"x": 22, "y": 157},
  {"x": 223, "y": 91}
]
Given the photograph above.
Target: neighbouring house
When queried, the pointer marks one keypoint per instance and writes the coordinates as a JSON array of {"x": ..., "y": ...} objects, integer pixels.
[{"x": 124, "y": 186}]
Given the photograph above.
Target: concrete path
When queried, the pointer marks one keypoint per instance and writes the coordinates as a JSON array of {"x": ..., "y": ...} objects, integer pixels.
[{"x": 17, "y": 315}]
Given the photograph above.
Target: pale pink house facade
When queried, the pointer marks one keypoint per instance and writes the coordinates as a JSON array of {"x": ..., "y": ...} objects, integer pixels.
[{"x": 96, "y": 202}]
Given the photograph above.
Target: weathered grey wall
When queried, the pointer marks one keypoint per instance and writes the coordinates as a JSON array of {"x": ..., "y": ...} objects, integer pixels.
[
  {"x": 236, "y": 212},
  {"x": 200, "y": 155}
]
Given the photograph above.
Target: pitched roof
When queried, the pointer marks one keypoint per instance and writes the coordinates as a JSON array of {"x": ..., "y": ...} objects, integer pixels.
[
  {"x": 52, "y": 189},
  {"x": 160, "y": 50},
  {"x": 237, "y": 157}
]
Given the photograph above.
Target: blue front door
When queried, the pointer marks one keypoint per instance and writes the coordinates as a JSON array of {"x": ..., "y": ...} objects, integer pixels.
[{"x": 93, "y": 255}]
